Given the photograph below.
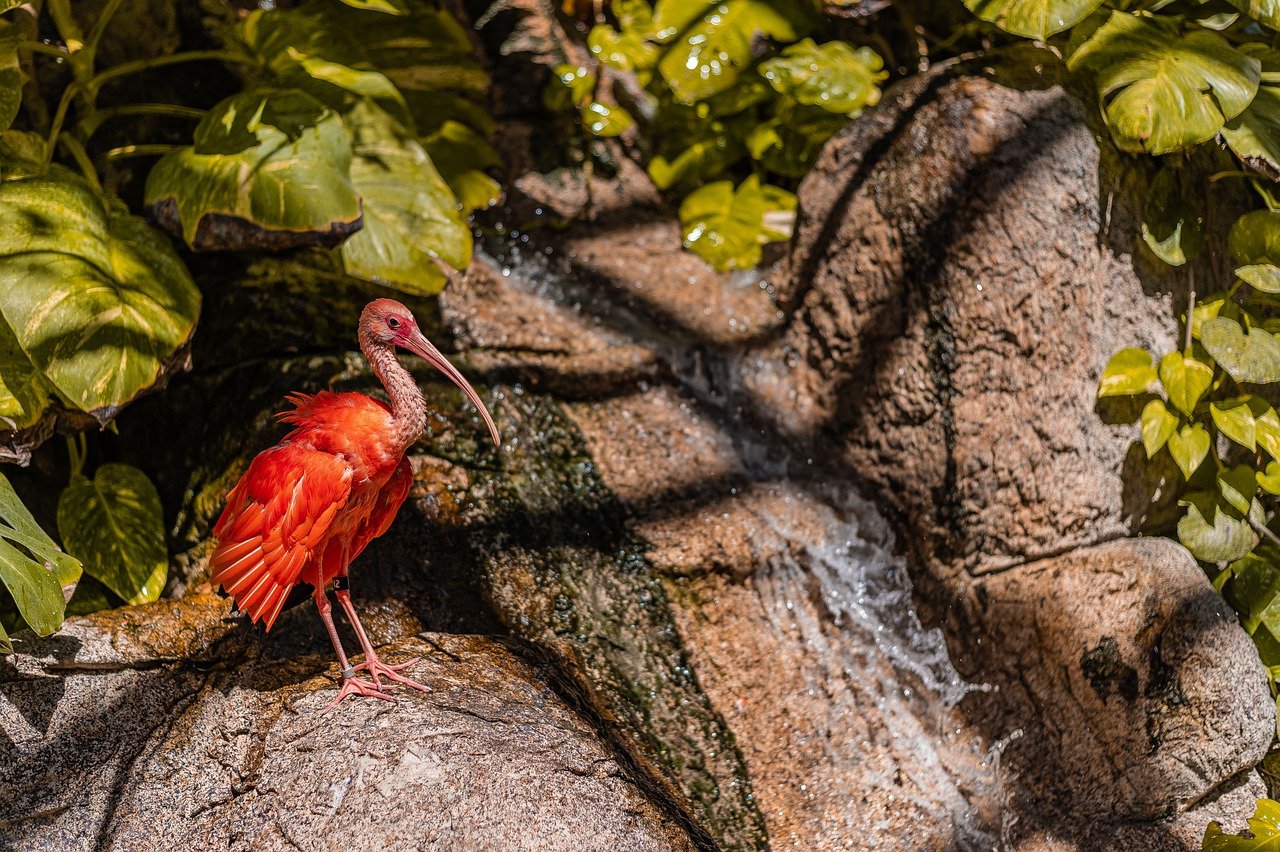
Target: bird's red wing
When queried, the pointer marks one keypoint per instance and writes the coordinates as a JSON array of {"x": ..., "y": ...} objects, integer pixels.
[
  {"x": 385, "y": 507},
  {"x": 277, "y": 517}
]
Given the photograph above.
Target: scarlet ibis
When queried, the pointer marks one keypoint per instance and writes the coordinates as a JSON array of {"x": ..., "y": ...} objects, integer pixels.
[{"x": 310, "y": 505}]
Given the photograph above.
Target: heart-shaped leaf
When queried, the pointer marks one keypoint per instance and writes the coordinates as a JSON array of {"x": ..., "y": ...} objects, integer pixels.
[
  {"x": 97, "y": 300},
  {"x": 114, "y": 525},
  {"x": 269, "y": 169},
  {"x": 708, "y": 44},
  {"x": 1163, "y": 89},
  {"x": 1264, "y": 825},
  {"x": 1128, "y": 372},
  {"x": 1206, "y": 308},
  {"x": 1185, "y": 380},
  {"x": 1254, "y": 135},
  {"x": 1237, "y": 418},
  {"x": 832, "y": 76},
  {"x": 1269, "y": 481},
  {"x": 39, "y": 585},
  {"x": 1189, "y": 446},
  {"x": 727, "y": 227},
  {"x": 1157, "y": 425},
  {"x": 1237, "y": 486},
  {"x": 411, "y": 219},
  {"x": 1213, "y": 530},
  {"x": 1252, "y": 358},
  {"x": 1037, "y": 19}
]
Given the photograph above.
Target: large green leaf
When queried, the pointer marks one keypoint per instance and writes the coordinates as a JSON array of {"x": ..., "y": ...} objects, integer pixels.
[
  {"x": 1036, "y": 19},
  {"x": 832, "y": 76},
  {"x": 1254, "y": 242},
  {"x": 114, "y": 525},
  {"x": 708, "y": 44},
  {"x": 1189, "y": 446},
  {"x": 727, "y": 227},
  {"x": 269, "y": 169},
  {"x": 1157, "y": 425},
  {"x": 1266, "y": 11},
  {"x": 96, "y": 298},
  {"x": 1213, "y": 530},
  {"x": 1254, "y": 134},
  {"x": 1163, "y": 89},
  {"x": 461, "y": 155},
  {"x": 411, "y": 219},
  {"x": 421, "y": 60},
  {"x": 24, "y": 391},
  {"x": 1254, "y": 357},
  {"x": 38, "y": 575},
  {"x": 1185, "y": 380},
  {"x": 1264, "y": 825},
  {"x": 10, "y": 74}
]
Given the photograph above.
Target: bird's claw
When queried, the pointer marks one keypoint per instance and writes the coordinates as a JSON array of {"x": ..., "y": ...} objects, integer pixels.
[
  {"x": 376, "y": 668},
  {"x": 356, "y": 686}
]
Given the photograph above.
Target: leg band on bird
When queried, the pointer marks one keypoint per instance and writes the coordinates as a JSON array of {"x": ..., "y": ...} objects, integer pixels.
[{"x": 342, "y": 583}]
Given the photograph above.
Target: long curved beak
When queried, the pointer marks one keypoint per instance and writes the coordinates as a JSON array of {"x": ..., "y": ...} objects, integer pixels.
[{"x": 418, "y": 344}]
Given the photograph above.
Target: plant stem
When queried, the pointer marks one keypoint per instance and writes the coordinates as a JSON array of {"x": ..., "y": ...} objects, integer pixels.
[
  {"x": 72, "y": 36},
  {"x": 46, "y": 49},
  {"x": 137, "y": 151},
  {"x": 77, "y": 450},
  {"x": 100, "y": 25},
  {"x": 78, "y": 153},
  {"x": 161, "y": 61},
  {"x": 60, "y": 116},
  {"x": 1263, "y": 531},
  {"x": 89, "y": 125}
]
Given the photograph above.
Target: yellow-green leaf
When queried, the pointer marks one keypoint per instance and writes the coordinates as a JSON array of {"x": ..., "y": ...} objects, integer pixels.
[
  {"x": 1213, "y": 530},
  {"x": 1157, "y": 425},
  {"x": 1254, "y": 135},
  {"x": 1189, "y": 446},
  {"x": 832, "y": 76},
  {"x": 1254, "y": 357},
  {"x": 1237, "y": 486},
  {"x": 1185, "y": 380},
  {"x": 114, "y": 525},
  {"x": 1235, "y": 418},
  {"x": 1036, "y": 19},
  {"x": 1163, "y": 88},
  {"x": 727, "y": 227},
  {"x": 1264, "y": 825},
  {"x": 36, "y": 584},
  {"x": 1128, "y": 372},
  {"x": 1269, "y": 481}
]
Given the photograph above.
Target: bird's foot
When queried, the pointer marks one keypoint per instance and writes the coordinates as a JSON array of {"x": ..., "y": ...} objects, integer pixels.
[
  {"x": 352, "y": 685},
  {"x": 378, "y": 669}
]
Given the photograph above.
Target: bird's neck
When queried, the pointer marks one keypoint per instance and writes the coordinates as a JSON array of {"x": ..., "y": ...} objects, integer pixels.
[{"x": 408, "y": 407}]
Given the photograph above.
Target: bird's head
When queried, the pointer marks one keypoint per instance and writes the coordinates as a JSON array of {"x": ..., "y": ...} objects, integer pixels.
[{"x": 388, "y": 323}]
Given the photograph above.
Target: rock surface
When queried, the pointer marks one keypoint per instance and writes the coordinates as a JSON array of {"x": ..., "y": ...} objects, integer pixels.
[{"x": 220, "y": 752}]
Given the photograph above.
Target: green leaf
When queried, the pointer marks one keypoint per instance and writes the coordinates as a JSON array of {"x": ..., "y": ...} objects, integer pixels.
[
  {"x": 1236, "y": 418},
  {"x": 460, "y": 155},
  {"x": 727, "y": 227},
  {"x": 25, "y": 394},
  {"x": 390, "y": 7},
  {"x": 1270, "y": 480},
  {"x": 1157, "y": 425},
  {"x": 606, "y": 121},
  {"x": 98, "y": 300},
  {"x": 708, "y": 44},
  {"x": 1173, "y": 219},
  {"x": 1185, "y": 380},
  {"x": 1189, "y": 446},
  {"x": 425, "y": 55},
  {"x": 1264, "y": 825},
  {"x": 1266, "y": 427},
  {"x": 1128, "y": 372},
  {"x": 1252, "y": 358},
  {"x": 1213, "y": 530},
  {"x": 411, "y": 219},
  {"x": 569, "y": 87},
  {"x": 1237, "y": 486},
  {"x": 10, "y": 74},
  {"x": 1254, "y": 135},
  {"x": 1037, "y": 19},
  {"x": 833, "y": 76},
  {"x": 790, "y": 143},
  {"x": 114, "y": 525},
  {"x": 1255, "y": 582},
  {"x": 268, "y": 170},
  {"x": 32, "y": 567},
  {"x": 696, "y": 160},
  {"x": 1206, "y": 308},
  {"x": 1163, "y": 89},
  {"x": 1265, "y": 11},
  {"x": 1254, "y": 242},
  {"x": 629, "y": 50}
]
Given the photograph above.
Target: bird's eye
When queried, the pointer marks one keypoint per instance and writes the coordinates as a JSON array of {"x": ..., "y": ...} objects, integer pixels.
[{"x": 393, "y": 322}]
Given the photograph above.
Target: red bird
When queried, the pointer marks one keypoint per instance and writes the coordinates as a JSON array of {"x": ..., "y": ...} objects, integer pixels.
[{"x": 310, "y": 505}]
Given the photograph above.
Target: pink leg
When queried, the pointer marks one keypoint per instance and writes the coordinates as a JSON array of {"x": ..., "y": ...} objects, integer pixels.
[
  {"x": 374, "y": 666},
  {"x": 351, "y": 685}
]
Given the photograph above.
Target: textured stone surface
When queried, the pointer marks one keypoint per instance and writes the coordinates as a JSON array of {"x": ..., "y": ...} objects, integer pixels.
[
  {"x": 139, "y": 754},
  {"x": 1152, "y": 693}
]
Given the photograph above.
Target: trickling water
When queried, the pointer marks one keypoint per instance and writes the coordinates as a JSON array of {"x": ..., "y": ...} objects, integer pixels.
[{"x": 841, "y": 592}]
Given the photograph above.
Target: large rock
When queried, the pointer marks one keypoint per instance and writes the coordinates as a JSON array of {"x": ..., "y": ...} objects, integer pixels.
[{"x": 120, "y": 734}]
